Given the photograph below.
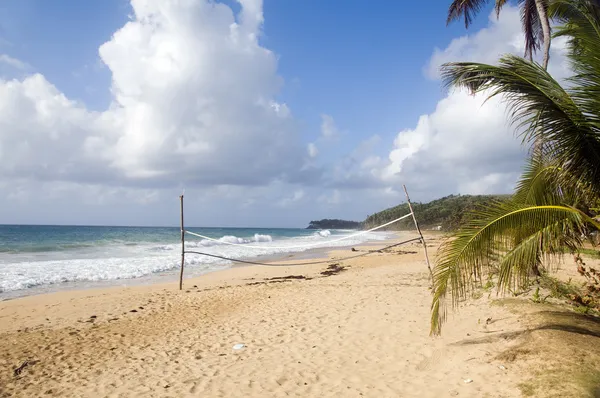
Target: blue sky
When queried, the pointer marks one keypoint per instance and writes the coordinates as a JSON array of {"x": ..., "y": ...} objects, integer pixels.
[
  {"x": 355, "y": 62},
  {"x": 364, "y": 67}
]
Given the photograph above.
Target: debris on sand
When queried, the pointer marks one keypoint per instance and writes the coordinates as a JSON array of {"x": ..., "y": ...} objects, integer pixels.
[{"x": 333, "y": 269}]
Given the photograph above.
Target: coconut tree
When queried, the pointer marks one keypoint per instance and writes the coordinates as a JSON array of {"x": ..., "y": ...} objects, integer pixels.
[
  {"x": 548, "y": 214},
  {"x": 534, "y": 17}
]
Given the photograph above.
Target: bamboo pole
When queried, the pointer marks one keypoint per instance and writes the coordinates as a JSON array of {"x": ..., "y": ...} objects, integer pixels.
[
  {"x": 420, "y": 234},
  {"x": 182, "y": 244}
]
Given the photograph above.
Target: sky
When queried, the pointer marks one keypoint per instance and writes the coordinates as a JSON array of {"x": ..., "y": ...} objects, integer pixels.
[{"x": 264, "y": 113}]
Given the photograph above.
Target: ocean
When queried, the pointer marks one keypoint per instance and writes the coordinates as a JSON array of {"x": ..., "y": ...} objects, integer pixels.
[{"x": 41, "y": 258}]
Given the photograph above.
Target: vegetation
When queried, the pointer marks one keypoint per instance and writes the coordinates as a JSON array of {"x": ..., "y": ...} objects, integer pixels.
[
  {"x": 534, "y": 18},
  {"x": 334, "y": 224},
  {"x": 552, "y": 209},
  {"x": 590, "y": 297},
  {"x": 593, "y": 253},
  {"x": 447, "y": 212}
]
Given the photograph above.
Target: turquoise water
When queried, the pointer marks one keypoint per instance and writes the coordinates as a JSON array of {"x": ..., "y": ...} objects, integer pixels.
[
  {"x": 41, "y": 256},
  {"x": 49, "y": 238}
]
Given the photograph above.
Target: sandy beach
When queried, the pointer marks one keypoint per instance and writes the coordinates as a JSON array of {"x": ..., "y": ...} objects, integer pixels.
[{"x": 359, "y": 328}]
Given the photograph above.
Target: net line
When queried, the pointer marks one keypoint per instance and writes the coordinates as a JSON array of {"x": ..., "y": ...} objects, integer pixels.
[
  {"x": 299, "y": 246},
  {"x": 306, "y": 262}
]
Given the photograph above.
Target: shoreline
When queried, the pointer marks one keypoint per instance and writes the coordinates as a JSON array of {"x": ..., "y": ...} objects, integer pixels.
[
  {"x": 360, "y": 327},
  {"x": 159, "y": 277},
  {"x": 93, "y": 297}
]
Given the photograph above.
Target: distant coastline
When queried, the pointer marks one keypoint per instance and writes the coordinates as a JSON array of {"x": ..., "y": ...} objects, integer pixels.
[{"x": 334, "y": 224}]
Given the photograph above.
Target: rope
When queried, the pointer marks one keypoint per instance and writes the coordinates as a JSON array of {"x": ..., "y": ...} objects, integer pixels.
[
  {"x": 301, "y": 246},
  {"x": 235, "y": 260}
]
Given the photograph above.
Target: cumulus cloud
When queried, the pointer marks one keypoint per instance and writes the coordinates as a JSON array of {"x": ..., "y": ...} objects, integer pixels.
[
  {"x": 502, "y": 36},
  {"x": 194, "y": 102},
  {"x": 465, "y": 145},
  {"x": 457, "y": 148},
  {"x": 44, "y": 135}
]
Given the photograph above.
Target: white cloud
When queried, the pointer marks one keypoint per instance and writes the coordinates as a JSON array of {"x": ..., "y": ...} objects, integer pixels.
[
  {"x": 490, "y": 183},
  {"x": 23, "y": 190},
  {"x": 44, "y": 135},
  {"x": 463, "y": 146},
  {"x": 329, "y": 133},
  {"x": 461, "y": 131},
  {"x": 329, "y": 129},
  {"x": 194, "y": 103},
  {"x": 502, "y": 36},
  {"x": 359, "y": 169},
  {"x": 312, "y": 149},
  {"x": 14, "y": 62}
]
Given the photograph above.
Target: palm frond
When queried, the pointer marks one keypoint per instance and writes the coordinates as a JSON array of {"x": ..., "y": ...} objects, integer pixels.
[
  {"x": 542, "y": 183},
  {"x": 540, "y": 109},
  {"x": 532, "y": 27},
  {"x": 579, "y": 22},
  {"x": 550, "y": 211},
  {"x": 581, "y": 26},
  {"x": 498, "y": 6},
  {"x": 534, "y": 248},
  {"x": 538, "y": 183},
  {"x": 506, "y": 231},
  {"x": 466, "y": 9}
]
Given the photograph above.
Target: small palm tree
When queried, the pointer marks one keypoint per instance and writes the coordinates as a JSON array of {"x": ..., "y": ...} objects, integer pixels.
[
  {"x": 534, "y": 16},
  {"x": 548, "y": 214}
]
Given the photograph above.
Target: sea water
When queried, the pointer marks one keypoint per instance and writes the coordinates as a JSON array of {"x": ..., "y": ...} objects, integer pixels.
[{"x": 36, "y": 259}]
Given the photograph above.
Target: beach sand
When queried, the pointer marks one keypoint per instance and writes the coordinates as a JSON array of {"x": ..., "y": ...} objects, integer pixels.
[{"x": 358, "y": 332}]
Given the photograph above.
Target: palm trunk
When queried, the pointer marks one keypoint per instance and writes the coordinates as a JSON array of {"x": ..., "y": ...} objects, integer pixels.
[
  {"x": 541, "y": 9},
  {"x": 543, "y": 15}
]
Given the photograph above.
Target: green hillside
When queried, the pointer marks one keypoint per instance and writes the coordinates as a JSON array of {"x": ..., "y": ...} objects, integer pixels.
[
  {"x": 334, "y": 224},
  {"x": 446, "y": 212}
]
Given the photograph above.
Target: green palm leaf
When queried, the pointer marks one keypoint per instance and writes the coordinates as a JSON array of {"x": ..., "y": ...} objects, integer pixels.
[
  {"x": 466, "y": 9},
  {"x": 581, "y": 26},
  {"x": 538, "y": 183},
  {"x": 533, "y": 23},
  {"x": 540, "y": 109},
  {"x": 516, "y": 233},
  {"x": 549, "y": 212}
]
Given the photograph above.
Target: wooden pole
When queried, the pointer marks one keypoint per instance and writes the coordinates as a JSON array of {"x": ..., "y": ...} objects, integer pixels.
[
  {"x": 420, "y": 234},
  {"x": 182, "y": 244}
]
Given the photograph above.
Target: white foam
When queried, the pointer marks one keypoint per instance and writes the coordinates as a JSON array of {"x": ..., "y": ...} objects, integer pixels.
[
  {"x": 125, "y": 262},
  {"x": 34, "y": 273},
  {"x": 262, "y": 238},
  {"x": 233, "y": 239}
]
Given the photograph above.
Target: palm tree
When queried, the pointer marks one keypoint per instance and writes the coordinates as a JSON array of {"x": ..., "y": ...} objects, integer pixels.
[
  {"x": 534, "y": 16},
  {"x": 549, "y": 212}
]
